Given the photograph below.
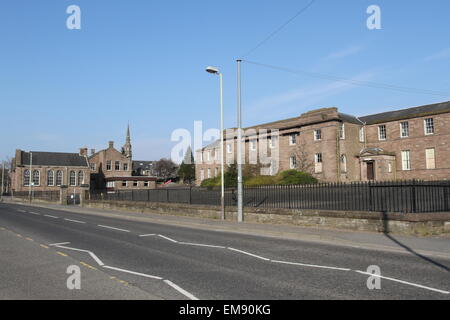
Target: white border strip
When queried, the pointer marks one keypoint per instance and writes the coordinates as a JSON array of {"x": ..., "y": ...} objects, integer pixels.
[
  {"x": 132, "y": 272},
  {"x": 248, "y": 253},
  {"x": 310, "y": 265},
  {"x": 404, "y": 282},
  {"x": 181, "y": 290},
  {"x": 167, "y": 238},
  {"x": 202, "y": 245}
]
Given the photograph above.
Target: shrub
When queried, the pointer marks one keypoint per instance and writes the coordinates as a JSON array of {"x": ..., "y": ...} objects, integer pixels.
[
  {"x": 294, "y": 177},
  {"x": 260, "y": 181}
]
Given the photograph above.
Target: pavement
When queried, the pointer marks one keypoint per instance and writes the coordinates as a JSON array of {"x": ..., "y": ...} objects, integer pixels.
[{"x": 178, "y": 258}]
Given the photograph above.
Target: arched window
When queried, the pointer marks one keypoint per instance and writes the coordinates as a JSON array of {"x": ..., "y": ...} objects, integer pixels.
[
  {"x": 73, "y": 179},
  {"x": 80, "y": 178},
  {"x": 59, "y": 178},
  {"x": 343, "y": 163},
  {"x": 26, "y": 178},
  {"x": 50, "y": 178},
  {"x": 36, "y": 178}
]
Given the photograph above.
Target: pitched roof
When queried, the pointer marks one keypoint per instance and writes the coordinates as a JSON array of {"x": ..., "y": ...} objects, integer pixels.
[
  {"x": 415, "y": 112},
  {"x": 54, "y": 159}
]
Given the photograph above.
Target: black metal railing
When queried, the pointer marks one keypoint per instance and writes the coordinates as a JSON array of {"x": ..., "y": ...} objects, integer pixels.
[
  {"x": 398, "y": 196},
  {"x": 38, "y": 195}
]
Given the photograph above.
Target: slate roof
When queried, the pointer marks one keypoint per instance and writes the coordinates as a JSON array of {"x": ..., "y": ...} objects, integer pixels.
[
  {"x": 416, "y": 112},
  {"x": 143, "y": 165},
  {"x": 54, "y": 159}
]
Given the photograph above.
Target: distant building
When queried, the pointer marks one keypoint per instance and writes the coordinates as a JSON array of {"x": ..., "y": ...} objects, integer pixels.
[
  {"x": 113, "y": 170},
  {"x": 48, "y": 171},
  {"x": 144, "y": 168},
  {"x": 334, "y": 147}
]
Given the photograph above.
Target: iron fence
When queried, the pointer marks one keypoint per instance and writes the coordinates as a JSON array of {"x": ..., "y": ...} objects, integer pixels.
[
  {"x": 398, "y": 196},
  {"x": 39, "y": 195}
]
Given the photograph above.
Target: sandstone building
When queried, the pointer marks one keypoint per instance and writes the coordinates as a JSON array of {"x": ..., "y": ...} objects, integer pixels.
[
  {"x": 406, "y": 144},
  {"x": 49, "y": 171}
]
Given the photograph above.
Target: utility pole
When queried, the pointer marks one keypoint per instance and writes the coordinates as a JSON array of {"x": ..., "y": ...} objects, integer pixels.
[
  {"x": 3, "y": 181},
  {"x": 240, "y": 211},
  {"x": 31, "y": 177}
]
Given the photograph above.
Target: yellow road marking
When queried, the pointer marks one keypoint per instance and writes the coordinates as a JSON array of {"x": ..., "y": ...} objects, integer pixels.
[
  {"x": 61, "y": 254},
  {"x": 19, "y": 235},
  {"x": 44, "y": 246},
  {"x": 88, "y": 265},
  {"x": 29, "y": 239}
]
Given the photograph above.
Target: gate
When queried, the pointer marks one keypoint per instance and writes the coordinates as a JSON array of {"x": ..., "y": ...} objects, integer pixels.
[{"x": 73, "y": 199}]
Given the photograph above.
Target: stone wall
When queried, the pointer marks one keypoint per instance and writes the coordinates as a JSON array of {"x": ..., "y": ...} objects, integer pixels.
[{"x": 415, "y": 224}]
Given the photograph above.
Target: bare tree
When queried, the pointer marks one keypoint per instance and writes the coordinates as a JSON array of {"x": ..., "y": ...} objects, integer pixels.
[
  {"x": 305, "y": 161},
  {"x": 165, "y": 169}
]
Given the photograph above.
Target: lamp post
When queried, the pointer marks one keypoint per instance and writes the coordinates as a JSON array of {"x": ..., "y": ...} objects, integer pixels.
[
  {"x": 214, "y": 70},
  {"x": 240, "y": 210}
]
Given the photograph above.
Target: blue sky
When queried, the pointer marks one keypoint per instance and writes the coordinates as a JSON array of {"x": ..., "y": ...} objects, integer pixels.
[{"x": 143, "y": 62}]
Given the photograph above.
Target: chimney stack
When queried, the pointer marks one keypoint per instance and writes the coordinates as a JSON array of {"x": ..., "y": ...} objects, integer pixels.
[
  {"x": 83, "y": 152},
  {"x": 111, "y": 144},
  {"x": 18, "y": 158}
]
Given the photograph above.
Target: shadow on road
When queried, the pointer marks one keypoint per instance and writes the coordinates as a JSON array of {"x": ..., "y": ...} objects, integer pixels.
[{"x": 386, "y": 232}]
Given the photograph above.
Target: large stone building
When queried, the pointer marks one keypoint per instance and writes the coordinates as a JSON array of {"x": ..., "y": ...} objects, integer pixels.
[
  {"x": 407, "y": 144},
  {"x": 49, "y": 171},
  {"x": 112, "y": 170}
]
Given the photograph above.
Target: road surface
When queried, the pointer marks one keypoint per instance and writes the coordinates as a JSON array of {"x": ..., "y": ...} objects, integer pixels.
[{"x": 156, "y": 261}]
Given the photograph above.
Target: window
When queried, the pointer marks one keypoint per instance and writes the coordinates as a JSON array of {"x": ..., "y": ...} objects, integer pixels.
[
  {"x": 80, "y": 178},
  {"x": 50, "y": 178},
  {"x": 344, "y": 163},
  {"x": 59, "y": 178},
  {"x": 382, "y": 133},
  {"x": 124, "y": 184},
  {"x": 110, "y": 184},
  {"x": 72, "y": 179},
  {"x": 293, "y": 162},
  {"x": 208, "y": 155},
  {"x": 293, "y": 139},
  {"x": 108, "y": 165},
  {"x": 217, "y": 153},
  {"x": 429, "y": 126},
  {"x": 406, "y": 160},
  {"x": 273, "y": 142},
  {"x": 404, "y": 129},
  {"x": 117, "y": 166},
  {"x": 125, "y": 167},
  {"x": 362, "y": 135},
  {"x": 229, "y": 148},
  {"x": 26, "y": 178},
  {"x": 93, "y": 166},
  {"x": 318, "y": 163},
  {"x": 135, "y": 184},
  {"x": 209, "y": 173},
  {"x": 253, "y": 145},
  {"x": 216, "y": 172},
  {"x": 146, "y": 184},
  {"x": 36, "y": 178},
  {"x": 317, "y": 135},
  {"x": 431, "y": 158},
  {"x": 342, "y": 131},
  {"x": 202, "y": 175},
  {"x": 389, "y": 167}
]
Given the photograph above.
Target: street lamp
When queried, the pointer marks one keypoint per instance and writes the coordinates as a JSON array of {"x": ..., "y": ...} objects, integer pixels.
[{"x": 216, "y": 71}]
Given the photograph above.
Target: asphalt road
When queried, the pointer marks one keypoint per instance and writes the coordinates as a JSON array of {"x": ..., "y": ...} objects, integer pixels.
[{"x": 172, "y": 262}]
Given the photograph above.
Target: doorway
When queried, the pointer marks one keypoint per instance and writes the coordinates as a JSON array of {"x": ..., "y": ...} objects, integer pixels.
[{"x": 371, "y": 170}]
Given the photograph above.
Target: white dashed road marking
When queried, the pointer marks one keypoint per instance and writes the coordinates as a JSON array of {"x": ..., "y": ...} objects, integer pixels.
[
  {"x": 310, "y": 265},
  {"x": 113, "y": 228},
  {"x": 76, "y": 221},
  {"x": 49, "y": 216},
  {"x": 181, "y": 290}
]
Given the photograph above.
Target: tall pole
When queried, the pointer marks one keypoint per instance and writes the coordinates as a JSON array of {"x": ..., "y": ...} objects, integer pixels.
[
  {"x": 222, "y": 199},
  {"x": 3, "y": 180},
  {"x": 239, "y": 145},
  {"x": 30, "y": 182}
]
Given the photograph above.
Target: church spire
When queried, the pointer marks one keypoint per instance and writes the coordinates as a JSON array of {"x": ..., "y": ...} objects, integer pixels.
[{"x": 127, "y": 149}]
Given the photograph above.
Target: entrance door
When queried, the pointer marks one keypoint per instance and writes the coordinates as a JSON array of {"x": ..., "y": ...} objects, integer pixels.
[{"x": 371, "y": 171}]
